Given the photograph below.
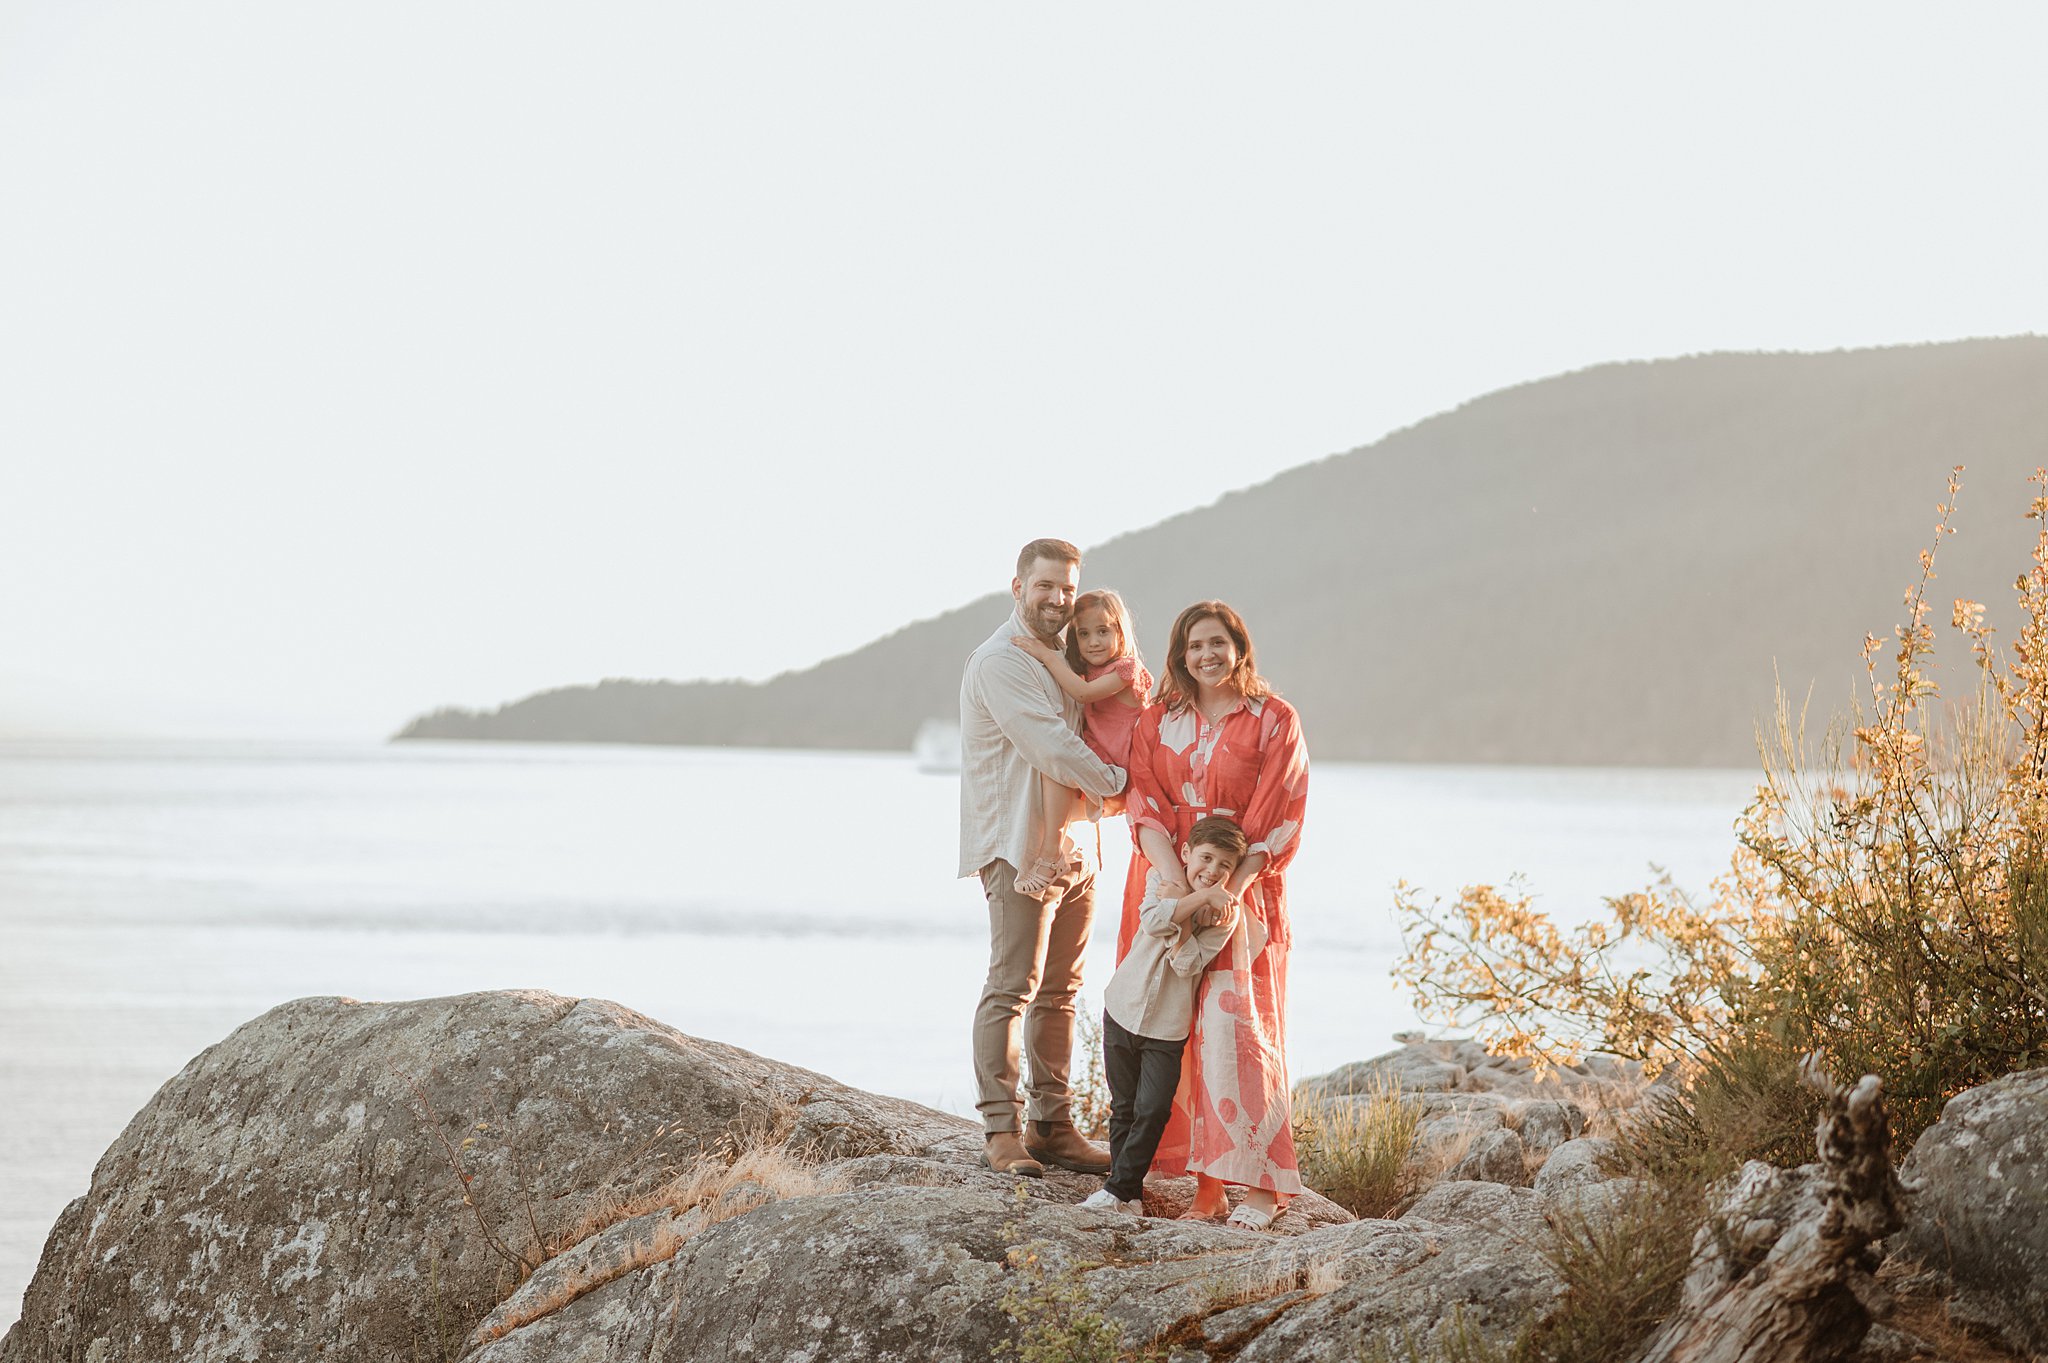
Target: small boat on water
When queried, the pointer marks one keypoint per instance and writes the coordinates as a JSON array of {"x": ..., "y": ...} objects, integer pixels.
[{"x": 937, "y": 746}]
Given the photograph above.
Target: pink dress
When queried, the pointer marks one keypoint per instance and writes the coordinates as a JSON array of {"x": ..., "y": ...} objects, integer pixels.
[
  {"x": 1232, "y": 1116},
  {"x": 1106, "y": 724}
]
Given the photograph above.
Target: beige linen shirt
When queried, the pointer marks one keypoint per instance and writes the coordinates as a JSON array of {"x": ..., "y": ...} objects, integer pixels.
[
  {"x": 1015, "y": 722},
  {"x": 1152, "y": 993}
]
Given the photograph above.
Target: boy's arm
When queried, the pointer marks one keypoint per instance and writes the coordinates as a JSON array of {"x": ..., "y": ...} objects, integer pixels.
[
  {"x": 1160, "y": 916},
  {"x": 1192, "y": 955}
]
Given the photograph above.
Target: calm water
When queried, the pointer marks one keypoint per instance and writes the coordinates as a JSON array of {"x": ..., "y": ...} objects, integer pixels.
[{"x": 153, "y": 896}]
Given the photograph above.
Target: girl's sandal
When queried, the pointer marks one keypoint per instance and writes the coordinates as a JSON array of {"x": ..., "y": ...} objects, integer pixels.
[
  {"x": 1039, "y": 878},
  {"x": 1248, "y": 1217},
  {"x": 1206, "y": 1218}
]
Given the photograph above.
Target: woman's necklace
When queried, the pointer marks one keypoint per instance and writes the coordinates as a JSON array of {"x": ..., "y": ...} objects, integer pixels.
[{"x": 1215, "y": 710}]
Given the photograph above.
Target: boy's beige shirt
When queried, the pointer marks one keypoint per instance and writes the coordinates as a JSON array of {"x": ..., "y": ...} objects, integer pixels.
[{"x": 1152, "y": 993}]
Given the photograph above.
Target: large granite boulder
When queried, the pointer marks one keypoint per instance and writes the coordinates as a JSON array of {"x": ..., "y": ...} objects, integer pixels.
[
  {"x": 346, "y": 1177},
  {"x": 1979, "y": 1206}
]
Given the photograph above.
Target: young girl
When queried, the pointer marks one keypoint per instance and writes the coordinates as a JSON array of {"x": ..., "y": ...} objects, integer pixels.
[{"x": 1101, "y": 669}]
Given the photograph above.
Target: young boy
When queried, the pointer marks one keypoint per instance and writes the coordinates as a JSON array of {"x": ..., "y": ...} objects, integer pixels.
[{"x": 1149, "y": 1005}]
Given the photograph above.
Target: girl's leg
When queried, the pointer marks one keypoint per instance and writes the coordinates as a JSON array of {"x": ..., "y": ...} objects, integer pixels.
[{"x": 1054, "y": 803}]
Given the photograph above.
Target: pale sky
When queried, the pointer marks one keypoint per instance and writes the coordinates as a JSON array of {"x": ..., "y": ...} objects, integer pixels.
[{"x": 357, "y": 358}]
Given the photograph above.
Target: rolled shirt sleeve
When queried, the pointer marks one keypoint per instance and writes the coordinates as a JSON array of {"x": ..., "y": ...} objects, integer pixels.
[
  {"x": 1155, "y": 915},
  {"x": 1017, "y": 730},
  {"x": 1188, "y": 952},
  {"x": 1016, "y": 702},
  {"x": 1192, "y": 956}
]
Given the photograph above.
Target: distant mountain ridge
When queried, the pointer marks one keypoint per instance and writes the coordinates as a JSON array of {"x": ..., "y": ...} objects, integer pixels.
[{"x": 1598, "y": 568}]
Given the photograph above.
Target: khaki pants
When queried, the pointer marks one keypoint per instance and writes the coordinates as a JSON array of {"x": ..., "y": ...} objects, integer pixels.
[{"x": 1035, "y": 951}]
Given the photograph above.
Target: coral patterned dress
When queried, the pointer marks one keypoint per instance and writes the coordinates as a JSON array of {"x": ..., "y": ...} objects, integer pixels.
[{"x": 1231, "y": 1117}]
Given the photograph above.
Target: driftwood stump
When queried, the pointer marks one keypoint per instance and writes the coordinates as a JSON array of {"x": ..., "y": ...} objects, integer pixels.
[{"x": 1783, "y": 1271}]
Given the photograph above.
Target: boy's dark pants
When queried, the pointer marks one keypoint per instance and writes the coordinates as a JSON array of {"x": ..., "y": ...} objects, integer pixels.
[{"x": 1143, "y": 1073}]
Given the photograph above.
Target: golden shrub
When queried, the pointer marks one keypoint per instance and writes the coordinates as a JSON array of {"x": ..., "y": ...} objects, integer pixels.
[{"x": 1886, "y": 905}]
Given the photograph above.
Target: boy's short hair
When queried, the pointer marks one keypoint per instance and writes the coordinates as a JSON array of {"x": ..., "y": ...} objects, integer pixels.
[{"x": 1220, "y": 833}]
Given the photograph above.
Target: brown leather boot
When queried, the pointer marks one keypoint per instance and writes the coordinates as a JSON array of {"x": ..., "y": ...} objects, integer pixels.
[
  {"x": 1006, "y": 1155},
  {"x": 1057, "y": 1143}
]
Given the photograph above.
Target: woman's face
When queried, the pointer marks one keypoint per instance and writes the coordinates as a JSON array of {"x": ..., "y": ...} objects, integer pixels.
[
  {"x": 1211, "y": 655},
  {"x": 1097, "y": 637}
]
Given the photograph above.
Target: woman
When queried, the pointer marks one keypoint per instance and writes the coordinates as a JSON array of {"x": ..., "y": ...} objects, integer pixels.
[{"x": 1218, "y": 741}]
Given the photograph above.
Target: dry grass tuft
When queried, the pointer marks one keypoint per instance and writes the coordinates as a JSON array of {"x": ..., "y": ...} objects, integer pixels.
[
  {"x": 1622, "y": 1268},
  {"x": 722, "y": 1187},
  {"x": 1612, "y": 1109},
  {"x": 1275, "y": 1273},
  {"x": 1441, "y": 1154},
  {"x": 1088, "y": 1104},
  {"x": 1920, "y": 1308},
  {"x": 1356, "y": 1151}
]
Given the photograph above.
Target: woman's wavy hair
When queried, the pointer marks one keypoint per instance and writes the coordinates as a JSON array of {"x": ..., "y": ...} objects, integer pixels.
[
  {"x": 1112, "y": 606},
  {"x": 1177, "y": 688}
]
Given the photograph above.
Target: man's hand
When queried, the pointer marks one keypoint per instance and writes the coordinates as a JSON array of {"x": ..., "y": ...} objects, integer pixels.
[{"x": 1037, "y": 648}]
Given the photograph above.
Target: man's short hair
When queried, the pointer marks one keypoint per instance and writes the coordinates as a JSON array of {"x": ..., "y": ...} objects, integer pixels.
[
  {"x": 1059, "y": 551},
  {"x": 1220, "y": 833}
]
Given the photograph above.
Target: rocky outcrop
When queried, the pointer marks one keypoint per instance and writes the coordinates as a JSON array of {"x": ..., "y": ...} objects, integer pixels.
[
  {"x": 1979, "y": 1208},
  {"x": 522, "y": 1178},
  {"x": 915, "y": 1274},
  {"x": 492, "y": 1177}
]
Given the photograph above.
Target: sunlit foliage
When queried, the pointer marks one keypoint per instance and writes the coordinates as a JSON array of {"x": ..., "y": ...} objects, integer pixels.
[{"x": 1887, "y": 904}]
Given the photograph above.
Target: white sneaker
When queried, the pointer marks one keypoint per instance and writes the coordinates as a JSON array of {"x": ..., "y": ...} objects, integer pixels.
[{"x": 1103, "y": 1200}]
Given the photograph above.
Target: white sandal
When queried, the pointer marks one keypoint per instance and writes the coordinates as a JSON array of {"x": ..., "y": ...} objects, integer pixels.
[
  {"x": 1248, "y": 1217},
  {"x": 1039, "y": 878}
]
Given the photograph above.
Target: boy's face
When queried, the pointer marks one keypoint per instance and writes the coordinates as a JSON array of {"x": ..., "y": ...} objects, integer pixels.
[{"x": 1207, "y": 865}]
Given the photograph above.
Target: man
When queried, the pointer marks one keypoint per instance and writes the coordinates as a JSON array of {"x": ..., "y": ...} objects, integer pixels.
[{"x": 1015, "y": 722}]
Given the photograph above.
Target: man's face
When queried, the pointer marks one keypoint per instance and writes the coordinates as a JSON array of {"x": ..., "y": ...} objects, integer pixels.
[{"x": 1045, "y": 596}]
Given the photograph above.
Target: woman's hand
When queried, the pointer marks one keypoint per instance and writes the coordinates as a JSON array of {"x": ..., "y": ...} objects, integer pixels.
[
  {"x": 1037, "y": 648},
  {"x": 1219, "y": 908},
  {"x": 1211, "y": 907}
]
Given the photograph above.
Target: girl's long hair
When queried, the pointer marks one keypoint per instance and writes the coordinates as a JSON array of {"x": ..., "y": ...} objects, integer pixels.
[
  {"x": 1119, "y": 615},
  {"x": 1177, "y": 689}
]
